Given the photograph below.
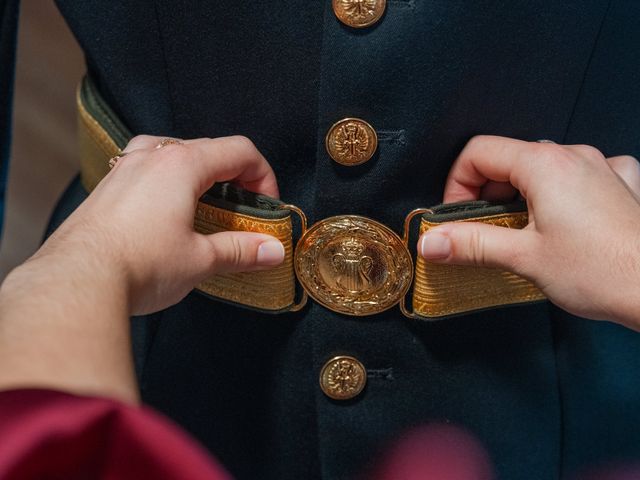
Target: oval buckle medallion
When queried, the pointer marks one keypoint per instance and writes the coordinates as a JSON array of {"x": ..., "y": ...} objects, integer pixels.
[{"x": 353, "y": 265}]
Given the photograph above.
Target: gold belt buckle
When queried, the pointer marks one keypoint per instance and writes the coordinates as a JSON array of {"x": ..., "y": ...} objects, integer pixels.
[
  {"x": 349, "y": 264},
  {"x": 352, "y": 265}
]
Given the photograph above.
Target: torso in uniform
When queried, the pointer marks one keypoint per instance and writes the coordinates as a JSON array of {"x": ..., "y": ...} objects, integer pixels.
[{"x": 546, "y": 393}]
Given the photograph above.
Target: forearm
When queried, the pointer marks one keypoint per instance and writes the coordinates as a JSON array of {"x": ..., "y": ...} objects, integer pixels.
[{"x": 64, "y": 325}]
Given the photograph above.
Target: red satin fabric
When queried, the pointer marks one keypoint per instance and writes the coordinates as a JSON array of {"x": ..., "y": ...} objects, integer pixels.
[{"x": 47, "y": 434}]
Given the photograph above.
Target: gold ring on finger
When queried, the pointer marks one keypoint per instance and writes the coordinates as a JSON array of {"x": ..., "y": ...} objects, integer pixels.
[
  {"x": 169, "y": 141},
  {"x": 114, "y": 160}
]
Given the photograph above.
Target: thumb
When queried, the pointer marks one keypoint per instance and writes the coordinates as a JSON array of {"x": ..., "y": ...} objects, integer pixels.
[
  {"x": 479, "y": 244},
  {"x": 227, "y": 252}
]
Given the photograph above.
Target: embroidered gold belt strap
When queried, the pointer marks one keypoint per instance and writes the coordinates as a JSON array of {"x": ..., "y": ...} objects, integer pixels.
[{"x": 349, "y": 263}]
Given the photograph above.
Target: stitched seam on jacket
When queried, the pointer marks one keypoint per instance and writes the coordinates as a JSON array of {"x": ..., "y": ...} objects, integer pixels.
[
  {"x": 554, "y": 326},
  {"x": 586, "y": 71}
]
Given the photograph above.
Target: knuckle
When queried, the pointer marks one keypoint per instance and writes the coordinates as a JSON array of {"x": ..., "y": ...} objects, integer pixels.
[
  {"x": 238, "y": 256},
  {"x": 628, "y": 168},
  {"x": 589, "y": 152},
  {"x": 549, "y": 151},
  {"x": 225, "y": 253},
  {"x": 140, "y": 138},
  {"x": 477, "y": 141},
  {"x": 242, "y": 143},
  {"x": 475, "y": 248},
  {"x": 557, "y": 157},
  {"x": 475, "y": 144},
  {"x": 140, "y": 141},
  {"x": 625, "y": 162}
]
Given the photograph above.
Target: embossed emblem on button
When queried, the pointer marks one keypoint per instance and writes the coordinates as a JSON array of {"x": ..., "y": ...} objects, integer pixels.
[
  {"x": 359, "y": 13},
  {"x": 353, "y": 265},
  {"x": 343, "y": 378},
  {"x": 351, "y": 141}
]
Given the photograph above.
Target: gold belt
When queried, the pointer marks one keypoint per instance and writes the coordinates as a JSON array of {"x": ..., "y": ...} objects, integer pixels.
[{"x": 348, "y": 263}]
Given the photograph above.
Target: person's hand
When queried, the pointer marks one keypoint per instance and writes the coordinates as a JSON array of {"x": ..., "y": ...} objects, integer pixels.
[
  {"x": 137, "y": 225},
  {"x": 130, "y": 248},
  {"x": 582, "y": 244}
]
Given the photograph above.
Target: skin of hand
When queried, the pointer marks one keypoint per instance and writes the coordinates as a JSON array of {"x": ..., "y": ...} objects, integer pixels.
[
  {"x": 129, "y": 249},
  {"x": 582, "y": 244}
]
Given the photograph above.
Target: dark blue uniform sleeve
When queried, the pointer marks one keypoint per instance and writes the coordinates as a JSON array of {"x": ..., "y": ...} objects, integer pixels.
[{"x": 8, "y": 28}]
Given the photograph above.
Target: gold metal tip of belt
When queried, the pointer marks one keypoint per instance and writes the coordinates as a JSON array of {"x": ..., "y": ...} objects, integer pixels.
[
  {"x": 405, "y": 240},
  {"x": 299, "y": 305}
]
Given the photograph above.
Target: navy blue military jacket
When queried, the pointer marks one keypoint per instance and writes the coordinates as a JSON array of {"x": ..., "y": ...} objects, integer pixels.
[{"x": 546, "y": 393}]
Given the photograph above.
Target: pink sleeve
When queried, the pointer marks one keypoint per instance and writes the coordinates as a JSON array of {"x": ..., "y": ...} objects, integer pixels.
[{"x": 48, "y": 434}]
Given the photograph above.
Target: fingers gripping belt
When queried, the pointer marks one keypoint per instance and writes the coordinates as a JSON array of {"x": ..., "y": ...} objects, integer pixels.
[{"x": 350, "y": 264}]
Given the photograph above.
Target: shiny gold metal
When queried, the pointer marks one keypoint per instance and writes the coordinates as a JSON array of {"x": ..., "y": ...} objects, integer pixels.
[
  {"x": 404, "y": 310},
  {"x": 299, "y": 305},
  {"x": 169, "y": 141},
  {"x": 115, "y": 159},
  {"x": 359, "y": 13},
  {"x": 405, "y": 239},
  {"x": 343, "y": 378},
  {"x": 407, "y": 222},
  {"x": 353, "y": 265},
  {"x": 351, "y": 282},
  {"x": 301, "y": 214},
  {"x": 351, "y": 141},
  {"x": 440, "y": 289},
  {"x": 270, "y": 290}
]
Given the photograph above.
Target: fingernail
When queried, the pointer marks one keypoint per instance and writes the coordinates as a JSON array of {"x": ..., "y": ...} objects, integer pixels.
[
  {"x": 434, "y": 245},
  {"x": 270, "y": 253}
]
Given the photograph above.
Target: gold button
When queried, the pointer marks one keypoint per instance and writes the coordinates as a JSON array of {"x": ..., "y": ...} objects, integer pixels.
[
  {"x": 351, "y": 141},
  {"x": 343, "y": 378},
  {"x": 359, "y": 13}
]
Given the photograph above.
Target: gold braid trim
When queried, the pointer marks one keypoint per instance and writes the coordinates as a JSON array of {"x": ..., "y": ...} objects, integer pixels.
[
  {"x": 271, "y": 290},
  {"x": 441, "y": 290}
]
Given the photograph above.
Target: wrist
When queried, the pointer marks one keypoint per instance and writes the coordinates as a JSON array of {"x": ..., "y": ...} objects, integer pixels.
[
  {"x": 64, "y": 317},
  {"x": 85, "y": 265},
  {"x": 621, "y": 291}
]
